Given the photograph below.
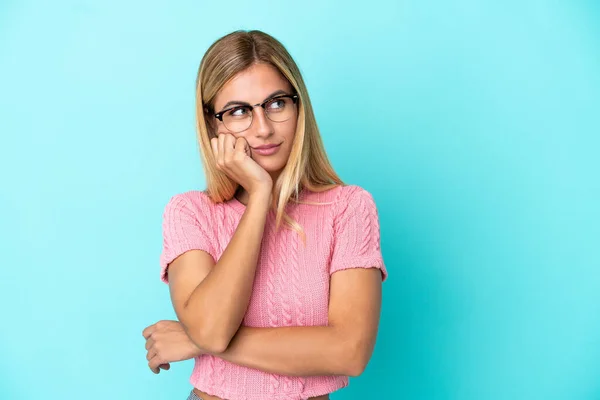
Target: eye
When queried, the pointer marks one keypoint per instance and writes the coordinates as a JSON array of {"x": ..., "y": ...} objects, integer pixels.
[
  {"x": 238, "y": 112},
  {"x": 276, "y": 104}
]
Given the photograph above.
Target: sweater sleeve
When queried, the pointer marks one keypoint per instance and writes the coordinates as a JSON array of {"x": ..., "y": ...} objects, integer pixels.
[
  {"x": 185, "y": 227},
  {"x": 356, "y": 241}
]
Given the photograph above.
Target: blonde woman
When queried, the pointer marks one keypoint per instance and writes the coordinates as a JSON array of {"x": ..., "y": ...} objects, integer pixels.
[{"x": 275, "y": 270}]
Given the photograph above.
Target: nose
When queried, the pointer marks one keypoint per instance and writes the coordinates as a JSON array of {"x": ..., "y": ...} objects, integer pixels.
[{"x": 262, "y": 124}]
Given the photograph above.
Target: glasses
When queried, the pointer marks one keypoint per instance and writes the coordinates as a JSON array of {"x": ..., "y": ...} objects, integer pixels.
[{"x": 277, "y": 109}]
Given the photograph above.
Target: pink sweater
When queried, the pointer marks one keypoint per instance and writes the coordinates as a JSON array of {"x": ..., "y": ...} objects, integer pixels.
[{"x": 291, "y": 286}]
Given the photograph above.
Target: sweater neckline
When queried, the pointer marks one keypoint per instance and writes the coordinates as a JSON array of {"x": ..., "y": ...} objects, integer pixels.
[
  {"x": 240, "y": 207},
  {"x": 237, "y": 205}
]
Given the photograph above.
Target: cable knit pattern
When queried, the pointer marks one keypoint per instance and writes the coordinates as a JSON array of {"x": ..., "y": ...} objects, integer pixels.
[
  {"x": 285, "y": 302},
  {"x": 284, "y": 251},
  {"x": 291, "y": 286},
  {"x": 272, "y": 257},
  {"x": 298, "y": 307}
]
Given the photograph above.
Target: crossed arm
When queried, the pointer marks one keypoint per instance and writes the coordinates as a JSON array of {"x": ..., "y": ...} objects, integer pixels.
[{"x": 344, "y": 347}]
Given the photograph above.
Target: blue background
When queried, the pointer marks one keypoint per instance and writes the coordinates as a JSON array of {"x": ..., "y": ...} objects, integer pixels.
[{"x": 475, "y": 125}]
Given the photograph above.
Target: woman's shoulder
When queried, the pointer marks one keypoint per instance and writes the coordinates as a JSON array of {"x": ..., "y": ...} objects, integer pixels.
[
  {"x": 339, "y": 194},
  {"x": 195, "y": 201},
  {"x": 193, "y": 195},
  {"x": 341, "y": 199},
  {"x": 353, "y": 191}
]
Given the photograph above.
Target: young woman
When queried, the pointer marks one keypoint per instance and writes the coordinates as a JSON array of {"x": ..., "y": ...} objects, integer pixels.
[{"x": 275, "y": 270}]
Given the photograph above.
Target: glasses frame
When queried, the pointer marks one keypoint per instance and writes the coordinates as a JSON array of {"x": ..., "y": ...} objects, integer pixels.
[{"x": 219, "y": 115}]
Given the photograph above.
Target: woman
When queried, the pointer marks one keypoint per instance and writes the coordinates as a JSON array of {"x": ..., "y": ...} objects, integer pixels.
[{"x": 275, "y": 270}]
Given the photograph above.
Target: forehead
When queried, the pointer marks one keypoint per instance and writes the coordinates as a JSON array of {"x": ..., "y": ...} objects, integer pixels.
[{"x": 252, "y": 85}]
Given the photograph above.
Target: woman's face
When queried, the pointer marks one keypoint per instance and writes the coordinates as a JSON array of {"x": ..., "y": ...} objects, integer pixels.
[{"x": 253, "y": 86}]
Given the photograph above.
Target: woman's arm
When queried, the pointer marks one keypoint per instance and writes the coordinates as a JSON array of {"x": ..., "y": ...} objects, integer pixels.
[
  {"x": 344, "y": 347},
  {"x": 210, "y": 299}
]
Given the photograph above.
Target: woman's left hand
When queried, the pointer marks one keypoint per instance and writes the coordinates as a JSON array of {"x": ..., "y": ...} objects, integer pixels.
[{"x": 166, "y": 342}]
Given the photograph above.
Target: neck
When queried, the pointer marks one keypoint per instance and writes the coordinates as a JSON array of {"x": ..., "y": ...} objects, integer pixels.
[{"x": 243, "y": 196}]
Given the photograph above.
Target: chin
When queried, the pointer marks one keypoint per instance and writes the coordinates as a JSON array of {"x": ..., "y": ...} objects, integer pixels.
[{"x": 272, "y": 165}]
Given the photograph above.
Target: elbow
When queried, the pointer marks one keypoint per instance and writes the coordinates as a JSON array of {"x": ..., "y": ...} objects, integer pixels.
[
  {"x": 213, "y": 344},
  {"x": 216, "y": 347},
  {"x": 208, "y": 340},
  {"x": 356, "y": 368},
  {"x": 357, "y": 359}
]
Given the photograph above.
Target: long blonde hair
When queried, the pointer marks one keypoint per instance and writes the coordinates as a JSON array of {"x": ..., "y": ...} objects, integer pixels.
[{"x": 308, "y": 166}]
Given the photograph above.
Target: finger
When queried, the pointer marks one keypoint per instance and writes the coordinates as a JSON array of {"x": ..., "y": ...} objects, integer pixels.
[
  {"x": 150, "y": 354},
  {"x": 166, "y": 366},
  {"x": 154, "y": 363},
  {"x": 155, "y": 370},
  {"x": 221, "y": 158},
  {"x": 229, "y": 147},
  {"x": 242, "y": 146},
  {"x": 149, "y": 343},
  {"x": 214, "y": 143},
  {"x": 148, "y": 331}
]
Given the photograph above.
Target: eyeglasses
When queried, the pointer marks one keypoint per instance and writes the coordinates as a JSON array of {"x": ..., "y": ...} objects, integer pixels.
[{"x": 278, "y": 109}]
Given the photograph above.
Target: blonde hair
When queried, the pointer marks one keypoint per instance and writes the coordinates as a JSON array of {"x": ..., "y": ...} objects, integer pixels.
[{"x": 307, "y": 167}]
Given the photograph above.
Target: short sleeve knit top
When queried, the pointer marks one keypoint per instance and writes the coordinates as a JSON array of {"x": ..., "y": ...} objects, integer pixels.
[{"x": 291, "y": 286}]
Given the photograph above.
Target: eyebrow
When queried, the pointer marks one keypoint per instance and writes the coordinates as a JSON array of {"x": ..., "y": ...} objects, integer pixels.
[{"x": 243, "y": 103}]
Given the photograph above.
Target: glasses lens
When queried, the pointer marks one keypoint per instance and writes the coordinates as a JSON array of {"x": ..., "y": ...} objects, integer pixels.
[
  {"x": 280, "y": 109},
  {"x": 238, "y": 119}
]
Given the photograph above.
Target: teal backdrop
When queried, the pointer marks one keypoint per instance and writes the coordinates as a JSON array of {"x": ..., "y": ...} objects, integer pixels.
[{"x": 474, "y": 124}]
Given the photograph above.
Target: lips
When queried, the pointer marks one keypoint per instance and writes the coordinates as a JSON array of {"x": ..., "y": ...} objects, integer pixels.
[
  {"x": 267, "y": 150},
  {"x": 266, "y": 146}
]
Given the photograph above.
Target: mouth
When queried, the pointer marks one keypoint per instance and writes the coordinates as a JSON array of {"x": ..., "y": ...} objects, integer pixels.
[
  {"x": 266, "y": 146},
  {"x": 267, "y": 150}
]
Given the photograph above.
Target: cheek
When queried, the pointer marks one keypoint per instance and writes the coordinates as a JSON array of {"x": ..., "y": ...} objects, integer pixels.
[{"x": 288, "y": 131}]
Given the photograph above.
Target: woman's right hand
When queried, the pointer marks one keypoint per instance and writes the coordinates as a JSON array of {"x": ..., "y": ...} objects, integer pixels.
[
  {"x": 234, "y": 157},
  {"x": 167, "y": 342}
]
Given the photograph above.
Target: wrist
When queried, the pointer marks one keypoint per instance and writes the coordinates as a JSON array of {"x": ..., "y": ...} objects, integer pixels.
[
  {"x": 196, "y": 351},
  {"x": 261, "y": 197}
]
